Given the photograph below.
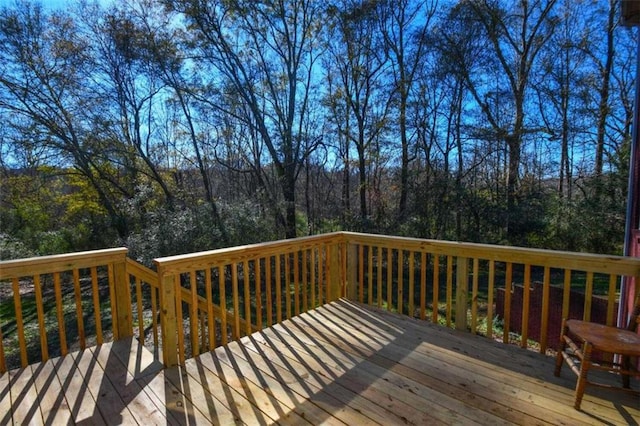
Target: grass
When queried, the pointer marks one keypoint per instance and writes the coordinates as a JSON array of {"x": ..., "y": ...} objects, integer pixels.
[{"x": 31, "y": 327}]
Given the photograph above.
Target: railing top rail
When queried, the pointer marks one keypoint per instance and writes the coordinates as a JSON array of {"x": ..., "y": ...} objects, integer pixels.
[
  {"x": 10, "y": 269},
  {"x": 148, "y": 275},
  {"x": 185, "y": 262},
  {"x": 608, "y": 264}
]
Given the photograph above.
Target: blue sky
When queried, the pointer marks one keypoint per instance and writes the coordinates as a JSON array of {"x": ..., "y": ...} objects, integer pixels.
[
  {"x": 52, "y": 4},
  {"x": 57, "y": 4}
]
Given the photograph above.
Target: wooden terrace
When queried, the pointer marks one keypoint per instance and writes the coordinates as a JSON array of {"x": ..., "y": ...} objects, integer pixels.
[
  {"x": 289, "y": 346},
  {"x": 342, "y": 363}
]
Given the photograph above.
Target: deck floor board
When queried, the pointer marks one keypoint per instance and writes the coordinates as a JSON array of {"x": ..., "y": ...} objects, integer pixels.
[
  {"x": 5, "y": 399},
  {"x": 341, "y": 364},
  {"x": 52, "y": 400}
]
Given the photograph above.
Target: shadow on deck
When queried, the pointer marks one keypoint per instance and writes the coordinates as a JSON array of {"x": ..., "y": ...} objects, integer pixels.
[{"x": 341, "y": 363}]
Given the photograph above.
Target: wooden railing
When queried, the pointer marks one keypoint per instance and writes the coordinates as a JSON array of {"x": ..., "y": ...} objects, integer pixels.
[
  {"x": 451, "y": 282},
  {"x": 145, "y": 309},
  {"x": 225, "y": 294},
  {"x": 51, "y": 304},
  {"x": 195, "y": 302}
]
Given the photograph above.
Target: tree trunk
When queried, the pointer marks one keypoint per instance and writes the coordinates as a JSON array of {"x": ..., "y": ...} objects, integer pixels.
[
  {"x": 603, "y": 107},
  {"x": 362, "y": 188},
  {"x": 289, "y": 193}
]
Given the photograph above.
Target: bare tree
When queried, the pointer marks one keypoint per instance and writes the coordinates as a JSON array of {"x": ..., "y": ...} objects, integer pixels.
[
  {"x": 265, "y": 51},
  {"x": 131, "y": 90},
  {"x": 45, "y": 69},
  {"x": 172, "y": 69},
  {"x": 557, "y": 84},
  {"x": 358, "y": 61},
  {"x": 515, "y": 33},
  {"x": 405, "y": 25},
  {"x": 604, "y": 84}
]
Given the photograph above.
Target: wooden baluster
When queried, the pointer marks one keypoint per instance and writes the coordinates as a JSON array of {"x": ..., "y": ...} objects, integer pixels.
[
  {"x": 449, "y": 290},
  {"x": 211, "y": 329},
  {"x": 296, "y": 282},
  {"x": 154, "y": 315},
  {"x": 17, "y": 303},
  {"x": 96, "y": 304},
  {"x": 268, "y": 290},
  {"x": 333, "y": 287},
  {"x": 258, "y": 292},
  {"x": 526, "y": 296},
  {"x": 60, "y": 313},
  {"x": 193, "y": 313},
  {"x": 566, "y": 294},
  {"x": 78, "y": 299},
  {"x": 588, "y": 293},
  {"x": 44, "y": 349},
  {"x": 369, "y": 275},
  {"x": 112, "y": 301},
  {"x": 235, "y": 331},
  {"x": 343, "y": 247},
  {"x": 247, "y": 297},
  {"x": 611, "y": 299},
  {"x": 140, "y": 307},
  {"x": 490, "y": 292},
  {"x": 287, "y": 283},
  {"x": 354, "y": 274},
  {"x": 462, "y": 292},
  {"x": 326, "y": 282},
  {"x": 507, "y": 301},
  {"x": 3, "y": 362},
  {"x": 360, "y": 281},
  {"x": 436, "y": 289},
  {"x": 544, "y": 323},
  {"x": 305, "y": 280},
  {"x": 412, "y": 265},
  {"x": 400, "y": 281},
  {"x": 423, "y": 285},
  {"x": 278, "y": 284},
  {"x": 222, "y": 270},
  {"x": 179, "y": 323},
  {"x": 379, "y": 277},
  {"x": 389, "y": 279},
  {"x": 203, "y": 335},
  {"x": 474, "y": 296},
  {"x": 312, "y": 280}
]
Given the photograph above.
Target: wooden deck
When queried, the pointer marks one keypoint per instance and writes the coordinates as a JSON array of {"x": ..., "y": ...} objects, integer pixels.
[{"x": 339, "y": 364}]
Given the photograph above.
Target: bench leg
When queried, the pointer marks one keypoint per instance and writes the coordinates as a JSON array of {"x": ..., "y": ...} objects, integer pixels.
[
  {"x": 585, "y": 364},
  {"x": 626, "y": 366},
  {"x": 563, "y": 346}
]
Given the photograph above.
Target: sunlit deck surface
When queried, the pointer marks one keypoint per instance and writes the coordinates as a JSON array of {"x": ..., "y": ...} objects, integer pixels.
[{"x": 342, "y": 363}]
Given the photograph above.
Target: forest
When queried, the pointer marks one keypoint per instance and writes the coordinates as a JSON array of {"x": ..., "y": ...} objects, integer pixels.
[{"x": 173, "y": 126}]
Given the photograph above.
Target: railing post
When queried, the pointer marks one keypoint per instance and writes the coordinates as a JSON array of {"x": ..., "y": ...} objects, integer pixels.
[
  {"x": 122, "y": 299},
  {"x": 168, "y": 321},
  {"x": 462, "y": 292}
]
